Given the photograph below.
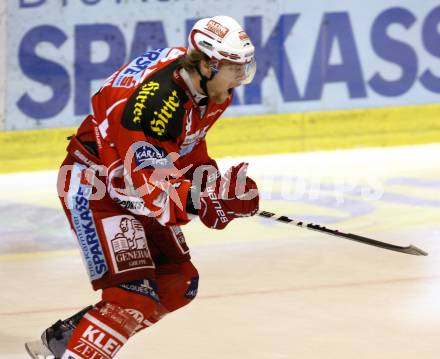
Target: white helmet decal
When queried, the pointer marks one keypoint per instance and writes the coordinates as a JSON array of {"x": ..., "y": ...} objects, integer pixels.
[{"x": 217, "y": 28}]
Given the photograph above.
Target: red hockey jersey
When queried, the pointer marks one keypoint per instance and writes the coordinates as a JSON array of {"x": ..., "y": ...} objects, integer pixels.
[{"x": 150, "y": 135}]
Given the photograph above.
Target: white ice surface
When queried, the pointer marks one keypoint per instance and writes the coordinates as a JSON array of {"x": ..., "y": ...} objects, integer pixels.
[{"x": 267, "y": 290}]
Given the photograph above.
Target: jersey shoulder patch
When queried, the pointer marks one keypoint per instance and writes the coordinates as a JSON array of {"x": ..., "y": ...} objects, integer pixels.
[{"x": 157, "y": 106}]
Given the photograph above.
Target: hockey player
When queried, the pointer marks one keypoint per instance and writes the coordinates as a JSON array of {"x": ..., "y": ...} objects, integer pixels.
[{"x": 136, "y": 170}]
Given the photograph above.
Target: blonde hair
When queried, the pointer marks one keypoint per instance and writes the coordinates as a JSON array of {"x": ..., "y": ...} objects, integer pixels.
[{"x": 191, "y": 60}]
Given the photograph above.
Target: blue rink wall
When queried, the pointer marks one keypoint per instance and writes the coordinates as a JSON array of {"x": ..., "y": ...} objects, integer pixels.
[{"x": 312, "y": 55}]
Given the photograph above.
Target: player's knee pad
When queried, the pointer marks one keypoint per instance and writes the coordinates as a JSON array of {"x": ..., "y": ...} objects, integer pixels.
[
  {"x": 192, "y": 276},
  {"x": 177, "y": 287}
]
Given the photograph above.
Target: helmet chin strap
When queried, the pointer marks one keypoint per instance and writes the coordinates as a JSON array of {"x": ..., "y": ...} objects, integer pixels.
[{"x": 204, "y": 80}]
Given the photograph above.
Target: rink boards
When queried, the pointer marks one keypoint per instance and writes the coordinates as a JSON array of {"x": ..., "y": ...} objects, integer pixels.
[{"x": 256, "y": 135}]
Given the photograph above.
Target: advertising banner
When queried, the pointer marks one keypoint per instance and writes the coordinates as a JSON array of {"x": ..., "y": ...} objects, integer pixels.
[
  {"x": 3, "y": 55},
  {"x": 311, "y": 55}
]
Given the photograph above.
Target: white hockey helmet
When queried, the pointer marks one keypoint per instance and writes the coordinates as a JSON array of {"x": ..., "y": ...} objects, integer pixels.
[{"x": 221, "y": 38}]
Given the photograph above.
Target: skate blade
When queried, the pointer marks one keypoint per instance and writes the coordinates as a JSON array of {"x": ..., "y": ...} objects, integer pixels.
[{"x": 37, "y": 350}]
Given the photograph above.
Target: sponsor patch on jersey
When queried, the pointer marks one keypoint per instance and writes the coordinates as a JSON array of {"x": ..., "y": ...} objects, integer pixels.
[
  {"x": 179, "y": 237},
  {"x": 146, "y": 91},
  {"x": 163, "y": 115},
  {"x": 83, "y": 223},
  {"x": 133, "y": 73},
  {"x": 140, "y": 319},
  {"x": 148, "y": 156},
  {"x": 130, "y": 205},
  {"x": 192, "y": 140},
  {"x": 144, "y": 287},
  {"x": 157, "y": 106},
  {"x": 193, "y": 287},
  {"x": 127, "y": 243}
]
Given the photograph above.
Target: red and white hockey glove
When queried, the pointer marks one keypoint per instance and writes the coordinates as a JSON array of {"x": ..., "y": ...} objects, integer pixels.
[{"x": 231, "y": 196}]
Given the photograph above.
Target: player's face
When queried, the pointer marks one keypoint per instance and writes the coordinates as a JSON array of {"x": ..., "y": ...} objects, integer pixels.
[{"x": 232, "y": 74}]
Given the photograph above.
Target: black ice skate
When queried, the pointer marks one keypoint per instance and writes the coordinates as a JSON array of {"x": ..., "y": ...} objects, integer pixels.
[{"x": 54, "y": 339}]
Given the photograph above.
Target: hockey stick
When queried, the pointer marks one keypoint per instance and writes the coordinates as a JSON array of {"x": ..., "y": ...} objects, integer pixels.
[{"x": 372, "y": 242}]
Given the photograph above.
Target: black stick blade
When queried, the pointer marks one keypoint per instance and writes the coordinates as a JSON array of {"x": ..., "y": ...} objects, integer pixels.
[{"x": 413, "y": 250}]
